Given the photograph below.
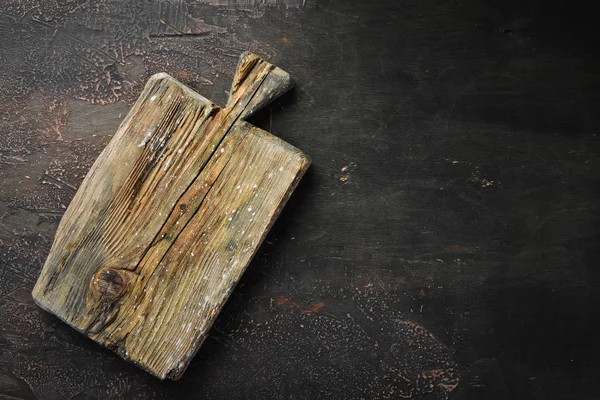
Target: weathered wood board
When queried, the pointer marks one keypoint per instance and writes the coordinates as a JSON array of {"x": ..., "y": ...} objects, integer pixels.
[{"x": 168, "y": 218}]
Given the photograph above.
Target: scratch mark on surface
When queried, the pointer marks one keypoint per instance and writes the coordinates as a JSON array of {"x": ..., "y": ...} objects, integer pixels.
[{"x": 313, "y": 308}]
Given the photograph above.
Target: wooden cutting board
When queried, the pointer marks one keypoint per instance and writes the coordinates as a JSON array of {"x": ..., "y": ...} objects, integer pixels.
[{"x": 168, "y": 218}]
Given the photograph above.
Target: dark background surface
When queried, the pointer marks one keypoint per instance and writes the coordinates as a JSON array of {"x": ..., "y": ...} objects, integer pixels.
[{"x": 444, "y": 244}]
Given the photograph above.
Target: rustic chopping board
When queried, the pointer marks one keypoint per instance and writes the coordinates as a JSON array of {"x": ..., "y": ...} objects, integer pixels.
[{"x": 168, "y": 218}]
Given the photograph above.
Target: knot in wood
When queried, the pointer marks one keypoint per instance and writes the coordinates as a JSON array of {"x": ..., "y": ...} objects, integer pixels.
[{"x": 109, "y": 283}]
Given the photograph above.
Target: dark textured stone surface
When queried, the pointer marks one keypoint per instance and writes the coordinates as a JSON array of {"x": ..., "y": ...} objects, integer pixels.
[{"x": 446, "y": 233}]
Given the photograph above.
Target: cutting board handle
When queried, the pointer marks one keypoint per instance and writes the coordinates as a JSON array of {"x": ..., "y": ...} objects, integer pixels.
[{"x": 256, "y": 83}]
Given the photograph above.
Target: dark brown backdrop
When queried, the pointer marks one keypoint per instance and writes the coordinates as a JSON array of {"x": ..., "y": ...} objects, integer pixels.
[{"x": 443, "y": 244}]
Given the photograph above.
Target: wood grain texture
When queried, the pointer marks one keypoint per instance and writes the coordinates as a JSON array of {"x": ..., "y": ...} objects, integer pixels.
[{"x": 168, "y": 218}]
